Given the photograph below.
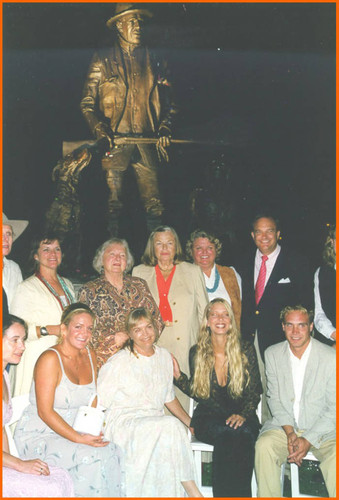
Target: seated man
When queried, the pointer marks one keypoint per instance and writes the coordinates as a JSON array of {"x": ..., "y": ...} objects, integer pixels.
[{"x": 301, "y": 377}]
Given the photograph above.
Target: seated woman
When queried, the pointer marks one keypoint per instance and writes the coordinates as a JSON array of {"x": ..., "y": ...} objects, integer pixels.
[
  {"x": 113, "y": 295},
  {"x": 135, "y": 384},
  {"x": 40, "y": 300},
  {"x": 221, "y": 281},
  {"x": 325, "y": 292},
  {"x": 226, "y": 383},
  {"x": 64, "y": 380},
  {"x": 24, "y": 478}
]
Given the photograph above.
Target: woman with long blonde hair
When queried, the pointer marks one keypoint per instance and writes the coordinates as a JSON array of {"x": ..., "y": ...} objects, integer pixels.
[{"x": 226, "y": 383}]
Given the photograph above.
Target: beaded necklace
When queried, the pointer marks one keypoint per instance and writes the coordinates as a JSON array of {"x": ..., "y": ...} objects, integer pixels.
[
  {"x": 68, "y": 294},
  {"x": 216, "y": 282}
]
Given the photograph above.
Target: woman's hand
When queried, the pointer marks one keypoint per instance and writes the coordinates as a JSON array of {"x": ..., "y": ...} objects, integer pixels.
[
  {"x": 90, "y": 440},
  {"x": 51, "y": 329},
  {"x": 176, "y": 368},
  {"x": 235, "y": 421},
  {"x": 36, "y": 466},
  {"x": 120, "y": 338}
]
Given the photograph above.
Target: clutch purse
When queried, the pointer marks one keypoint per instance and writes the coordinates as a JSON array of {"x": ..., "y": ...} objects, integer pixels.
[{"x": 90, "y": 419}]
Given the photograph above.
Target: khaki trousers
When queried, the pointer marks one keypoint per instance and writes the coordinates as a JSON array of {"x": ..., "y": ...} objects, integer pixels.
[{"x": 271, "y": 452}]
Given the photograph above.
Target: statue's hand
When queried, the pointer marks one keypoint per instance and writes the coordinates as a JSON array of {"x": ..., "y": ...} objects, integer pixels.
[
  {"x": 102, "y": 130},
  {"x": 163, "y": 142}
]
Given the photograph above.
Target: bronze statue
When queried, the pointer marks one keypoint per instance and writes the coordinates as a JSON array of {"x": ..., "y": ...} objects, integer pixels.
[{"x": 127, "y": 93}]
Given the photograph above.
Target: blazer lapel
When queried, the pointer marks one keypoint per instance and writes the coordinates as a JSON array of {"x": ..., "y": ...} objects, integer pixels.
[
  {"x": 286, "y": 371},
  {"x": 276, "y": 271},
  {"x": 178, "y": 281},
  {"x": 311, "y": 370}
]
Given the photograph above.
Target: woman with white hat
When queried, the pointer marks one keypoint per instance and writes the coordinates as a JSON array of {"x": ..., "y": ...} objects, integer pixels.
[{"x": 11, "y": 273}]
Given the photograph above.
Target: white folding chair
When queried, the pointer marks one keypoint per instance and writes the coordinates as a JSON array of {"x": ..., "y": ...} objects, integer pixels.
[
  {"x": 19, "y": 403},
  {"x": 198, "y": 447},
  {"x": 295, "y": 491}
]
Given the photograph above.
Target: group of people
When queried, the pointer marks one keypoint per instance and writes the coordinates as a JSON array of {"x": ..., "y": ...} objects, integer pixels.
[
  {"x": 144, "y": 340},
  {"x": 170, "y": 331}
]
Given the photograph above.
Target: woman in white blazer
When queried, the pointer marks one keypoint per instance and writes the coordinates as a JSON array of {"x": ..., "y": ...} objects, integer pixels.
[
  {"x": 179, "y": 291},
  {"x": 40, "y": 300}
]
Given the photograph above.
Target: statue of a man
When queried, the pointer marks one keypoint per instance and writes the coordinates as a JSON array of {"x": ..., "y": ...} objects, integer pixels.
[{"x": 127, "y": 93}]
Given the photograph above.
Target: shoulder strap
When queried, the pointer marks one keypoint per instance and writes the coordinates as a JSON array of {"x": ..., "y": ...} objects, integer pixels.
[{"x": 62, "y": 366}]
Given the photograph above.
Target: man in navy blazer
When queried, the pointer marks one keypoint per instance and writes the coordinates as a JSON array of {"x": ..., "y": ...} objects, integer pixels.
[
  {"x": 288, "y": 280},
  {"x": 301, "y": 382}
]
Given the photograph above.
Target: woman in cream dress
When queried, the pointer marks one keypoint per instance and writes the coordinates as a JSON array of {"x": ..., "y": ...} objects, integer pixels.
[{"x": 134, "y": 385}]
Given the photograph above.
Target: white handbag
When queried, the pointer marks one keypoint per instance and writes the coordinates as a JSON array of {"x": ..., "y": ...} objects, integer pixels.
[{"x": 90, "y": 419}]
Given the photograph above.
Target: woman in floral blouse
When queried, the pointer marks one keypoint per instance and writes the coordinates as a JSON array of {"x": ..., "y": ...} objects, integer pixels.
[
  {"x": 113, "y": 295},
  {"x": 226, "y": 383}
]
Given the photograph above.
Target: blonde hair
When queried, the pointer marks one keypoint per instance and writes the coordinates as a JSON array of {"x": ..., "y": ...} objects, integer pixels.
[
  {"x": 289, "y": 309},
  {"x": 149, "y": 258},
  {"x": 133, "y": 319},
  {"x": 329, "y": 253},
  {"x": 71, "y": 311},
  {"x": 239, "y": 376}
]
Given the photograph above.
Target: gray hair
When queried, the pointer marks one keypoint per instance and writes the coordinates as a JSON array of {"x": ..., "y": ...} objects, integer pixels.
[{"x": 98, "y": 257}]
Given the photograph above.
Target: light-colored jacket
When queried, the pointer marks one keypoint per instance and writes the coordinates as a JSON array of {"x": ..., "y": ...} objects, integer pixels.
[
  {"x": 317, "y": 417},
  {"x": 188, "y": 299},
  {"x": 34, "y": 303}
]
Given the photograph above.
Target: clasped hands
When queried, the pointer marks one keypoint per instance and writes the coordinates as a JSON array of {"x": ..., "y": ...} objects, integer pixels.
[{"x": 298, "y": 447}]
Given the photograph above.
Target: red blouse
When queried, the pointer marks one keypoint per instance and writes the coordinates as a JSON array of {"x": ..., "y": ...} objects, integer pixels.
[{"x": 163, "y": 289}]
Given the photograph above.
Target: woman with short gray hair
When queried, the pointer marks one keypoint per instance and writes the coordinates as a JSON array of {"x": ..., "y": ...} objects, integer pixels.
[{"x": 113, "y": 295}]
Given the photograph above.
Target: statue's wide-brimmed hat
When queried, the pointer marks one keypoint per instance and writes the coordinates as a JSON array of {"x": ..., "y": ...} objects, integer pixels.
[
  {"x": 121, "y": 9},
  {"x": 18, "y": 226}
]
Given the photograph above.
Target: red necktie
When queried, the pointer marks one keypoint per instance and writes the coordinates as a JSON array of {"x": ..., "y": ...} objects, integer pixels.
[{"x": 260, "y": 284}]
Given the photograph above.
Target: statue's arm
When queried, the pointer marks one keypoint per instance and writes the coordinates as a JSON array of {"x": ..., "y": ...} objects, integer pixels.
[
  {"x": 89, "y": 101},
  {"x": 168, "y": 109}
]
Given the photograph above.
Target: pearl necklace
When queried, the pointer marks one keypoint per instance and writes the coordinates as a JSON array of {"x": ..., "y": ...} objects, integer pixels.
[{"x": 216, "y": 282}]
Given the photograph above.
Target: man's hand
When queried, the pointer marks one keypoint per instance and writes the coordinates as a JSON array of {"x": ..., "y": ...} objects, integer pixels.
[
  {"x": 300, "y": 449},
  {"x": 291, "y": 438},
  {"x": 164, "y": 142},
  {"x": 102, "y": 130}
]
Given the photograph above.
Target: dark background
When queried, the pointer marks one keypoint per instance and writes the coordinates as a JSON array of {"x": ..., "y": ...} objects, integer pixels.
[{"x": 260, "y": 77}]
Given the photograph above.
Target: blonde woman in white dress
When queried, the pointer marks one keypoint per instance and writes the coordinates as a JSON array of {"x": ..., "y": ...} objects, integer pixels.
[{"x": 135, "y": 384}]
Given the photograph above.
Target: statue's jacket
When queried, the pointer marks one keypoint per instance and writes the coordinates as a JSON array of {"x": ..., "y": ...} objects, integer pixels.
[{"x": 106, "y": 87}]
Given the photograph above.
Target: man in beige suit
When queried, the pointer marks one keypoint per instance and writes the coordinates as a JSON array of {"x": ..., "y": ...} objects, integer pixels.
[{"x": 301, "y": 383}]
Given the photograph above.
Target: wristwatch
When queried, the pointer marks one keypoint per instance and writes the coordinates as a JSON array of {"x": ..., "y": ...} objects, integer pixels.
[{"x": 43, "y": 331}]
